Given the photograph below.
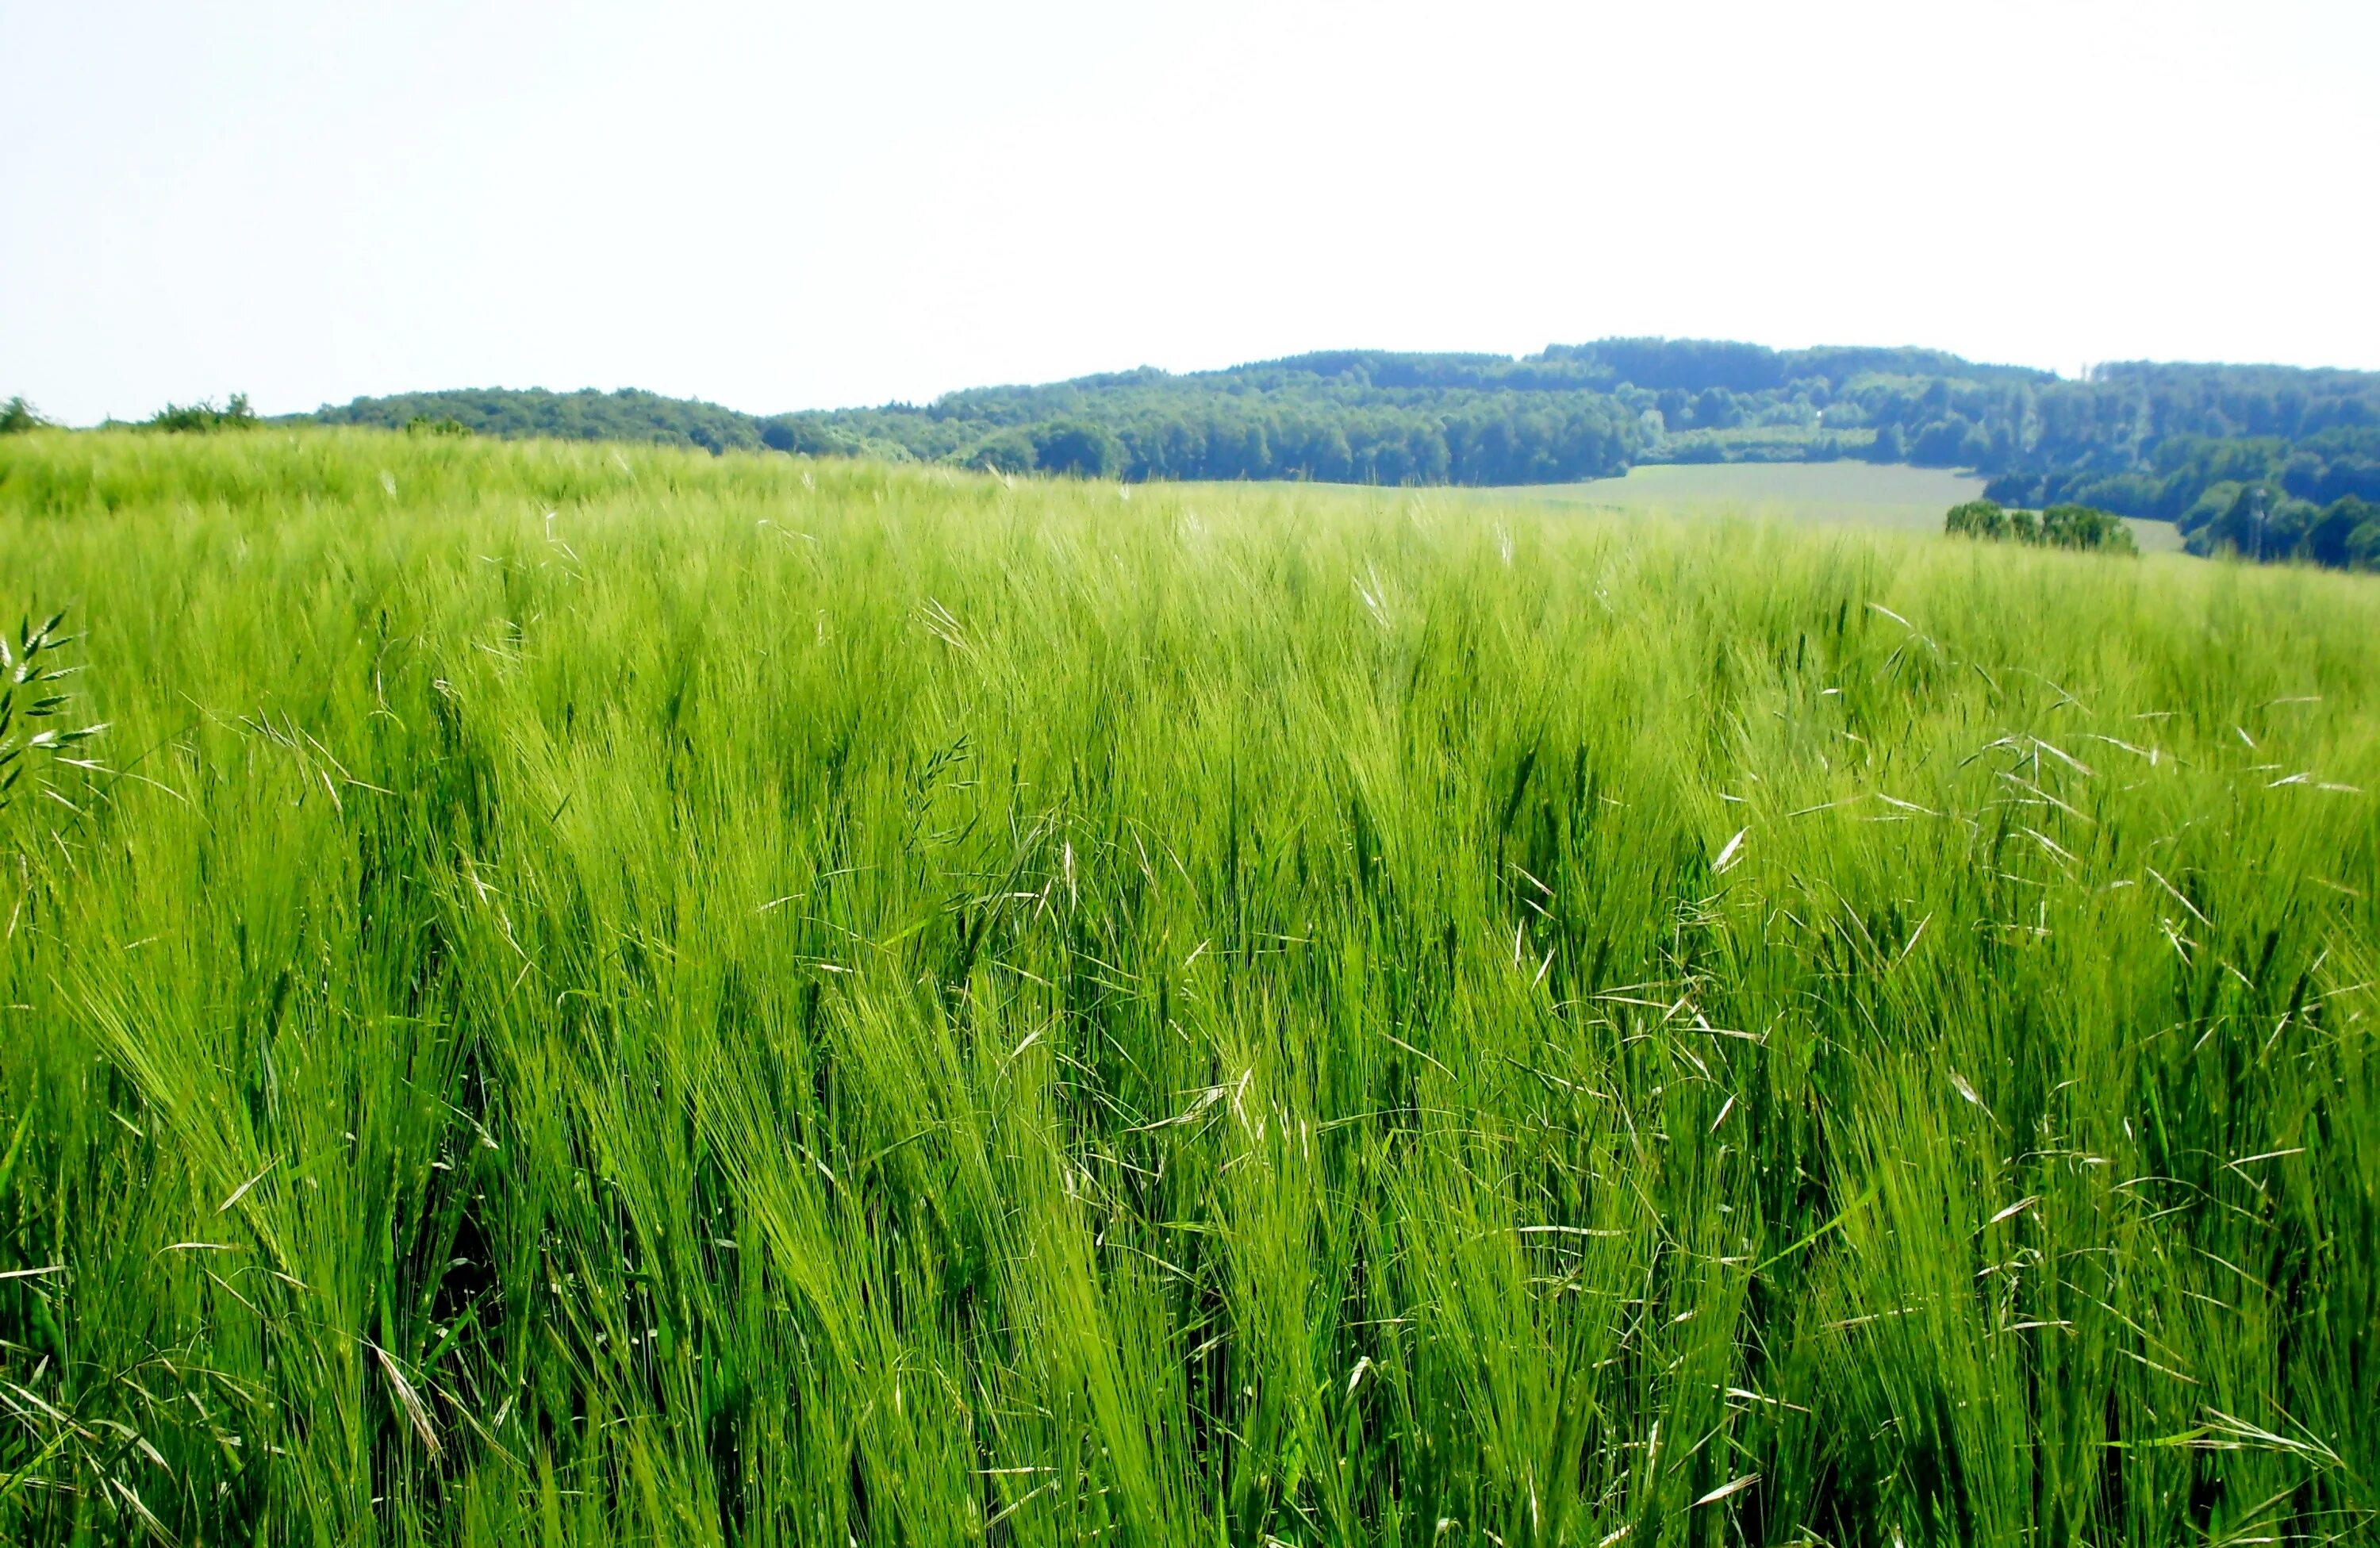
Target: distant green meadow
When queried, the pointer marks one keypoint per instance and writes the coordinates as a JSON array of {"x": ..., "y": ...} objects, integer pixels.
[
  {"x": 1839, "y": 492},
  {"x": 1910, "y": 499},
  {"x": 596, "y": 994},
  {"x": 1883, "y": 495}
]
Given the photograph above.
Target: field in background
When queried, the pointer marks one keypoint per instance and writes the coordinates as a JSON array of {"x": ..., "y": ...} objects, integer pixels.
[
  {"x": 607, "y": 995},
  {"x": 1864, "y": 494},
  {"x": 1833, "y": 494},
  {"x": 1910, "y": 499}
]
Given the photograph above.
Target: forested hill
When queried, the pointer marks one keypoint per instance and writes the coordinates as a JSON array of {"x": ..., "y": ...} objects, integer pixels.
[
  {"x": 585, "y": 415},
  {"x": 2234, "y": 453}
]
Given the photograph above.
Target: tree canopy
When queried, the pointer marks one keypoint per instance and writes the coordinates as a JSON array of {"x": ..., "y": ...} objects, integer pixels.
[
  {"x": 203, "y": 417},
  {"x": 2058, "y": 526}
]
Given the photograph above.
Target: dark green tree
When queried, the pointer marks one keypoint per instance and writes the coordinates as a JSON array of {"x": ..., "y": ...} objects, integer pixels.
[
  {"x": 1005, "y": 451},
  {"x": 2082, "y": 527},
  {"x": 1977, "y": 518},
  {"x": 204, "y": 418},
  {"x": 1078, "y": 449}
]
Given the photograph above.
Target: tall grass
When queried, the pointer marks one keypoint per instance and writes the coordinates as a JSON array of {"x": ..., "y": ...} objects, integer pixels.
[{"x": 604, "y": 995}]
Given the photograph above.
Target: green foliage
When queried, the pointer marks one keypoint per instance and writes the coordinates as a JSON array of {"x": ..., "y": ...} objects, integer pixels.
[
  {"x": 1088, "y": 451},
  {"x": 586, "y": 415},
  {"x": 2361, "y": 547},
  {"x": 2191, "y": 475},
  {"x": 1261, "y": 423},
  {"x": 1977, "y": 518},
  {"x": 2258, "y": 520},
  {"x": 632, "y": 996},
  {"x": 33, "y": 698},
  {"x": 204, "y": 418},
  {"x": 2058, "y": 526},
  {"x": 1758, "y": 444},
  {"x": 1005, "y": 451},
  {"x": 2082, "y": 527},
  {"x": 16, "y": 416},
  {"x": 422, "y": 424},
  {"x": 2135, "y": 439}
]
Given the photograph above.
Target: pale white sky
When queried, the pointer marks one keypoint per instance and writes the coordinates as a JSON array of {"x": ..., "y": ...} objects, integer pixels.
[{"x": 798, "y": 205}]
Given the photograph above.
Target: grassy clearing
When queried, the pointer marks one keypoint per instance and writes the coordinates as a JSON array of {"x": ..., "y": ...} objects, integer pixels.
[
  {"x": 621, "y": 996},
  {"x": 1910, "y": 499},
  {"x": 1829, "y": 493}
]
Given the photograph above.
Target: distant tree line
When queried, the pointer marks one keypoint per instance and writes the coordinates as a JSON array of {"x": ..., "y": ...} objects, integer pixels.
[
  {"x": 585, "y": 415},
  {"x": 2273, "y": 495},
  {"x": 2262, "y": 461},
  {"x": 1467, "y": 438},
  {"x": 2257, "y": 521},
  {"x": 2137, "y": 439},
  {"x": 1355, "y": 416},
  {"x": 1382, "y": 416},
  {"x": 203, "y": 417}
]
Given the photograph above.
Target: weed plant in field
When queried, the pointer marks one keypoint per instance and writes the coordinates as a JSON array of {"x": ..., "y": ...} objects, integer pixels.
[
  {"x": 33, "y": 692},
  {"x": 611, "y": 995}
]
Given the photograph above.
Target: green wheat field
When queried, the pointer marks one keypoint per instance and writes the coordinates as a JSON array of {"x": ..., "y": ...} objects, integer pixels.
[{"x": 597, "y": 996}]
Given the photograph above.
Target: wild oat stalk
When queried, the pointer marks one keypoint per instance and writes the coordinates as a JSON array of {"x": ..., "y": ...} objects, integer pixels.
[{"x": 32, "y": 693}]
